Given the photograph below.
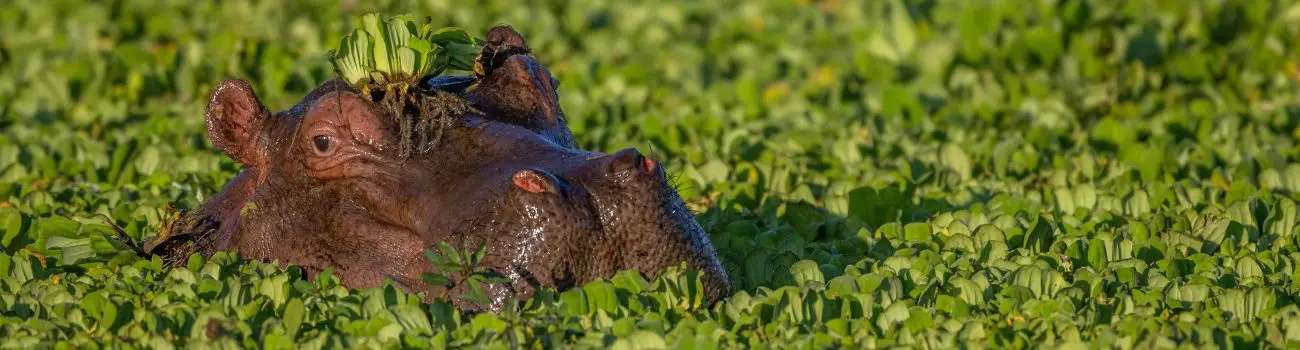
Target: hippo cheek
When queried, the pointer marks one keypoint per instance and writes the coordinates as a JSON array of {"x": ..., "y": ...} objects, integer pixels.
[
  {"x": 365, "y": 252},
  {"x": 647, "y": 221},
  {"x": 543, "y": 224}
]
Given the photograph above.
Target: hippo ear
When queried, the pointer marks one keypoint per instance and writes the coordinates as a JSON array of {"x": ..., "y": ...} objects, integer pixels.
[
  {"x": 501, "y": 43},
  {"x": 513, "y": 87},
  {"x": 234, "y": 118}
]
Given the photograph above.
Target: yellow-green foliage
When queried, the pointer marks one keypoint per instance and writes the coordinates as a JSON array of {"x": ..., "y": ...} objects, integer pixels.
[
  {"x": 400, "y": 49},
  {"x": 874, "y": 174}
]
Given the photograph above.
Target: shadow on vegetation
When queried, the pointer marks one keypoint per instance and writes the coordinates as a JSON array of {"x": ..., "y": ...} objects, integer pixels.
[{"x": 758, "y": 240}]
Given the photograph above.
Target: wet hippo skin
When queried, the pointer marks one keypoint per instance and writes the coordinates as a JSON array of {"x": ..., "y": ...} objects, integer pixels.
[{"x": 327, "y": 184}]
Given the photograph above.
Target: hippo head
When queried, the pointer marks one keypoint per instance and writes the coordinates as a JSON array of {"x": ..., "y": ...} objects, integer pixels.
[{"x": 339, "y": 181}]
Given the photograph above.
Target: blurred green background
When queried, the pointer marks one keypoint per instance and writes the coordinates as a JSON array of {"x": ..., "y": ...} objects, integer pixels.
[{"x": 873, "y": 173}]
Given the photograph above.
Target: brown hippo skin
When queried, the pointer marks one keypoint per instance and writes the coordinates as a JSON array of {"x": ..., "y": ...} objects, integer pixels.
[{"x": 322, "y": 186}]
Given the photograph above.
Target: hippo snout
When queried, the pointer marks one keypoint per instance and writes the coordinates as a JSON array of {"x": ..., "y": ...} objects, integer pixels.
[
  {"x": 629, "y": 165},
  {"x": 647, "y": 222}
]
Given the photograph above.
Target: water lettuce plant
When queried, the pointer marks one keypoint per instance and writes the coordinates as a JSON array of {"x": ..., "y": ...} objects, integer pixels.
[{"x": 391, "y": 53}]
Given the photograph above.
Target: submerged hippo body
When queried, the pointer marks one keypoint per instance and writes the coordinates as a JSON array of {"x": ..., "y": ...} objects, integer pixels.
[{"x": 325, "y": 184}]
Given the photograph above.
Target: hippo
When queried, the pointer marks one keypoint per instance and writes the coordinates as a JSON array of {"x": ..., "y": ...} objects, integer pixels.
[{"x": 339, "y": 182}]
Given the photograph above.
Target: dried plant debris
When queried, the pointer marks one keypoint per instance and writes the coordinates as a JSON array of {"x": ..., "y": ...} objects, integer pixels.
[
  {"x": 422, "y": 117},
  {"x": 181, "y": 235}
]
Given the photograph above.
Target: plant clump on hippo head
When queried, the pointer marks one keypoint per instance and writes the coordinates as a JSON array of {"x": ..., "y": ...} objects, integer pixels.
[{"x": 336, "y": 182}]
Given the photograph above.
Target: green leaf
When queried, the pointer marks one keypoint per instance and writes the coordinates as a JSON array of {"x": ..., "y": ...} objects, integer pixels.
[
  {"x": 600, "y": 295},
  {"x": 294, "y": 311},
  {"x": 71, "y": 250},
  {"x": 901, "y": 28},
  {"x": 917, "y": 232},
  {"x": 11, "y": 225},
  {"x": 5, "y": 263},
  {"x": 1043, "y": 283},
  {"x": 277, "y": 341},
  {"x": 807, "y": 272},
  {"x": 968, "y": 291},
  {"x": 573, "y": 302},
  {"x": 147, "y": 162},
  {"x": 956, "y": 159},
  {"x": 630, "y": 280},
  {"x": 895, "y": 314},
  {"x": 99, "y": 307},
  {"x": 953, "y": 306},
  {"x": 412, "y": 318},
  {"x": 1190, "y": 293},
  {"x": 640, "y": 340},
  {"x": 1282, "y": 219},
  {"x": 1244, "y": 305}
]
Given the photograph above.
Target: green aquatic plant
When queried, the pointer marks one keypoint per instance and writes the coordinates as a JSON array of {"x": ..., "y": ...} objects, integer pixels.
[
  {"x": 385, "y": 57},
  {"x": 392, "y": 53}
]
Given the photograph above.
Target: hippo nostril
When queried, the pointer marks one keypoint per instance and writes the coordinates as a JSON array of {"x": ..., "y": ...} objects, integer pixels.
[{"x": 629, "y": 161}]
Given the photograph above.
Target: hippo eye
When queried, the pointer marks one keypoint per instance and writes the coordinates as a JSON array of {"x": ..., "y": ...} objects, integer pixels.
[{"x": 322, "y": 143}]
